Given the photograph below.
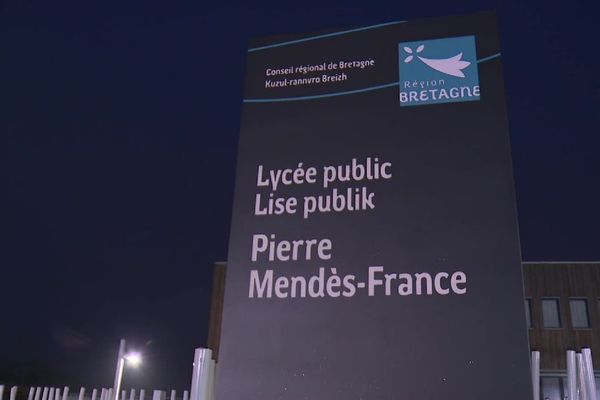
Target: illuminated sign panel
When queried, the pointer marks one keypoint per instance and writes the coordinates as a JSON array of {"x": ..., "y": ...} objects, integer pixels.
[{"x": 374, "y": 250}]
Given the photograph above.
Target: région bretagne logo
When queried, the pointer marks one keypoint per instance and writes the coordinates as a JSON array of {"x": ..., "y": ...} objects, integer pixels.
[
  {"x": 438, "y": 71},
  {"x": 450, "y": 66}
]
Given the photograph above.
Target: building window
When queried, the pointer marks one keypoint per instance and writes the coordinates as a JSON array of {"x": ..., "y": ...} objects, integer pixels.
[
  {"x": 579, "y": 313},
  {"x": 550, "y": 313},
  {"x": 553, "y": 388},
  {"x": 528, "y": 312}
]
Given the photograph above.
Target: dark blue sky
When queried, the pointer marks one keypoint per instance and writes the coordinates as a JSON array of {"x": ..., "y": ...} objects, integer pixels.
[{"x": 118, "y": 131}]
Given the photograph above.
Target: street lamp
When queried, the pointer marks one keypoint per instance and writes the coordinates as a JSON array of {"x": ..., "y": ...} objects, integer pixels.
[{"x": 133, "y": 358}]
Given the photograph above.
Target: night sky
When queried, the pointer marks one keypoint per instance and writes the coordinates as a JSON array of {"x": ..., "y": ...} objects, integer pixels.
[{"x": 119, "y": 124}]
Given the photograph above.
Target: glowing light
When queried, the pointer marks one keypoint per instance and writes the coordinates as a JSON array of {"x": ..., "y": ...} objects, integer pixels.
[{"x": 133, "y": 359}]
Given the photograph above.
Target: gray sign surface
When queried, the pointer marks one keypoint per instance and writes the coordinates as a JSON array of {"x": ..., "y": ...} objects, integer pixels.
[{"x": 374, "y": 247}]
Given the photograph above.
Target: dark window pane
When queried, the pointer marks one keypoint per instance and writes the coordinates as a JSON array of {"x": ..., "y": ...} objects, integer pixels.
[
  {"x": 550, "y": 313},
  {"x": 528, "y": 312},
  {"x": 579, "y": 313}
]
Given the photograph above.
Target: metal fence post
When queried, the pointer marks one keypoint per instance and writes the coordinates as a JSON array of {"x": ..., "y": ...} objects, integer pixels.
[
  {"x": 200, "y": 374},
  {"x": 588, "y": 366},
  {"x": 581, "y": 377},
  {"x": 158, "y": 395},
  {"x": 535, "y": 374},
  {"x": 571, "y": 375}
]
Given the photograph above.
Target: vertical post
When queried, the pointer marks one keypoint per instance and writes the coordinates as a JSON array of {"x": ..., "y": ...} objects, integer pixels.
[
  {"x": 57, "y": 394},
  {"x": 535, "y": 374},
  {"x": 186, "y": 395},
  {"x": 94, "y": 393},
  {"x": 173, "y": 395},
  {"x": 13, "y": 393},
  {"x": 588, "y": 365},
  {"x": 131, "y": 395},
  {"x": 200, "y": 372},
  {"x": 581, "y": 377},
  {"x": 571, "y": 375},
  {"x": 31, "y": 393},
  {"x": 196, "y": 373},
  {"x": 142, "y": 394},
  {"x": 51, "y": 394},
  {"x": 38, "y": 393},
  {"x": 123, "y": 394},
  {"x": 44, "y": 393},
  {"x": 1, "y": 391},
  {"x": 81, "y": 393},
  {"x": 65, "y": 395},
  {"x": 158, "y": 395},
  {"x": 119, "y": 371}
]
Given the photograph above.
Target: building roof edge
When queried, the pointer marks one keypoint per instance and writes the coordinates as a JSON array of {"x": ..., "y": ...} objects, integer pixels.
[{"x": 560, "y": 262}]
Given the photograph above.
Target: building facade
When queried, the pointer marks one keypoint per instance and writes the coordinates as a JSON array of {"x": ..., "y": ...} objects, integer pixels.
[{"x": 562, "y": 303}]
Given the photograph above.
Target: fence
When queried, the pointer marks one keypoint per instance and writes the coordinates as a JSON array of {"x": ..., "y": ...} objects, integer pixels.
[
  {"x": 580, "y": 383},
  {"x": 53, "y": 393},
  {"x": 201, "y": 389}
]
